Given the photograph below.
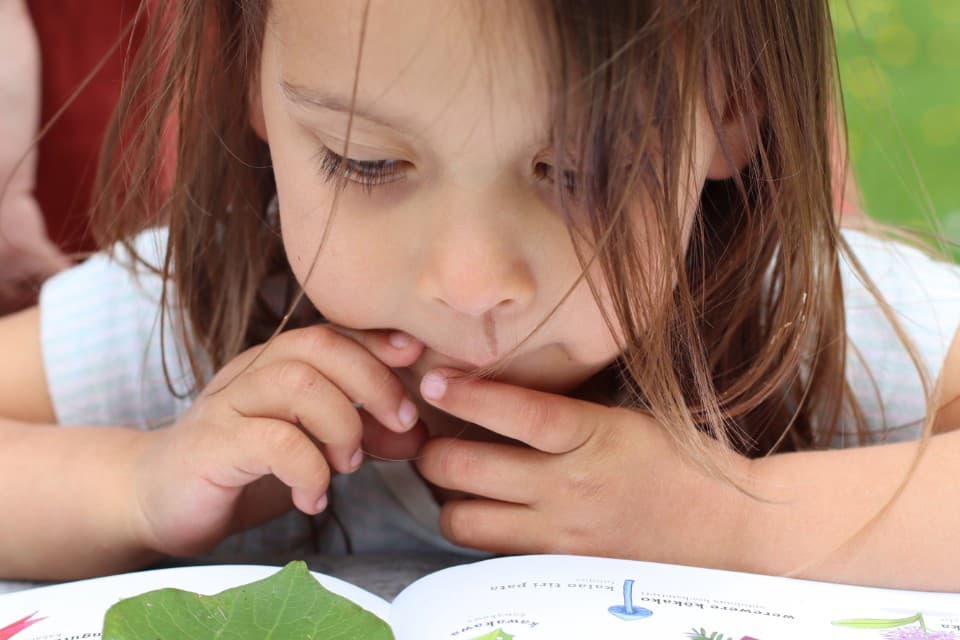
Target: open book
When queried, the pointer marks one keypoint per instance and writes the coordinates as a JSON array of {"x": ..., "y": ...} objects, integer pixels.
[{"x": 527, "y": 597}]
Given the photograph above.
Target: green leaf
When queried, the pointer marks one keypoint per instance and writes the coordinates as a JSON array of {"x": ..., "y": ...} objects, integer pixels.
[
  {"x": 499, "y": 634},
  {"x": 879, "y": 623},
  {"x": 288, "y": 605}
]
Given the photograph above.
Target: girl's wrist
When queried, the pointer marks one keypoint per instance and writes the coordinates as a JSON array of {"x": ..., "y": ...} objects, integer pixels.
[
  {"x": 730, "y": 512},
  {"x": 714, "y": 511},
  {"x": 139, "y": 543},
  {"x": 743, "y": 545}
]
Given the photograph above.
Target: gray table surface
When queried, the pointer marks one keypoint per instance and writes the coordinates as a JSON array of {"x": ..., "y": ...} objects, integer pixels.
[{"x": 385, "y": 575}]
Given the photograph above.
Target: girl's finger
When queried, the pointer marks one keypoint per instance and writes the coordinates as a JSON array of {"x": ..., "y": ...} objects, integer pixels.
[
  {"x": 362, "y": 378},
  {"x": 499, "y": 527},
  {"x": 394, "y": 348},
  {"x": 264, "y": 446},
  {"x": 545, "y": 421},
  {"x": 498, "y": 471},
  {"x": 297, "y": 393}
]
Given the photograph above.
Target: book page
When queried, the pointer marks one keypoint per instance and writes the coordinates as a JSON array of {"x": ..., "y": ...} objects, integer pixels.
[
  {"x": 75, "y": 610},
  {"x": 523, "y": 598}
]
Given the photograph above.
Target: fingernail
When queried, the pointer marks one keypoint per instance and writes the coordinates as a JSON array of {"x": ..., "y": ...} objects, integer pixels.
[
  {"x": 322, "y": 503},
  {"x": 407, "y": 413},
  {"x": 356, "y": 459},
  {"x": 399, "y": 340},
  {"x": 433, "y": 386}
]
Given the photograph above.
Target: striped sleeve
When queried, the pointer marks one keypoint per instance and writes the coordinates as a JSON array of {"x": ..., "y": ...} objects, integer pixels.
[
  {"x": 101, "y": 342},
  {"x": 925, "y": 296}
]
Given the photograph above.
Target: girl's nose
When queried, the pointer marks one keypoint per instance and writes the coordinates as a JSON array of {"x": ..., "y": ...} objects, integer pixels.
[{"x": 475, "y": 271}]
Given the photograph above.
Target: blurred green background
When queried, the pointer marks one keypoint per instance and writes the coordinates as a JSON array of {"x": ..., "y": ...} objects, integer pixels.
[{"x": 901, "y": 86}]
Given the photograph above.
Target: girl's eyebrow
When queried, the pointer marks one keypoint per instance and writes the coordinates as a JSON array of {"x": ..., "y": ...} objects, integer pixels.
[{"x": 319, "y": 99}]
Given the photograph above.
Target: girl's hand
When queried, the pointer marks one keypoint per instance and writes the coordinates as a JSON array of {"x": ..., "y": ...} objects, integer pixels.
[
  {"x": 593, "y": 480},
  {"x": 27, "y": 255},
  {"x": 269, "y": 427}
]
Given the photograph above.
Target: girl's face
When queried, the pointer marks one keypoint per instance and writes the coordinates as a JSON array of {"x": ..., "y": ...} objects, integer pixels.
[{"x": 448, "y": 228}]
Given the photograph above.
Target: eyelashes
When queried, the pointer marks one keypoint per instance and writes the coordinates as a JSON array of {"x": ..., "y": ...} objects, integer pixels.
[
  {"x": 365, "y": 173},
  {"x": 373, "y": 173}
]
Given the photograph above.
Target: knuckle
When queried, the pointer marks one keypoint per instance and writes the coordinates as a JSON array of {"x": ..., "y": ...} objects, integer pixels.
[
  {"x": 456, "y": 523},
  {"x": 384, "y": 384},
  {"x": 580, "y": 536},
  {"x": 571, "y": 539},
  {"x": 430, "y": 455},
  {"x": 456, "y": 462},
  {"x": 348, "y": 433},
  {"x": 297, "y": 376},
  {"x": 580, "y": 485},
  {"x": 215, "y": 411},
  {"x": 319, "y": 478},
  {"x": 284, "y": 439},
  {"x": 536, "y": 420},
  {"x": 608, "y": 439}
]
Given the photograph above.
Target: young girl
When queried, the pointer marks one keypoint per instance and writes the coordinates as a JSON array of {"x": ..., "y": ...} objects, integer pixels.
[{"x": 617, "y": 213}]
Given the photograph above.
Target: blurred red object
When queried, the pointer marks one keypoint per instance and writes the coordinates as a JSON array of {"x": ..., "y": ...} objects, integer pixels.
[{"x": 74, "y": 36}]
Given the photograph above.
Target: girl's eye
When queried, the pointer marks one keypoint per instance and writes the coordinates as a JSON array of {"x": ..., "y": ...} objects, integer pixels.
[
  {"x": 547, "y": 172},
  {"x": 366, "y": 173}
]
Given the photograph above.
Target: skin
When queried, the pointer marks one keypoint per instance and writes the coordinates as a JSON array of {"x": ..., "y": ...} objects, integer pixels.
[
  {"x": 465, "y": 233},
  {"x": 27, "y": 255},
  {"x": 464, "y": 250},
  {"x": 466, "y": 246}
]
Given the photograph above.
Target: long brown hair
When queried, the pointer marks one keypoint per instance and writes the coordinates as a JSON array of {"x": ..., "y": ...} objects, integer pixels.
[{"x": 741, "y": 334}]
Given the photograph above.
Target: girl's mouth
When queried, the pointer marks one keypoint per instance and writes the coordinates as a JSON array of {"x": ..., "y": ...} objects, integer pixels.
[{"x": 435, "y": 358}]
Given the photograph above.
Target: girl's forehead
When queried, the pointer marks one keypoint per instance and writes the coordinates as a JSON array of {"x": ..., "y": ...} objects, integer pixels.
[{"x": 423, "y": 61}]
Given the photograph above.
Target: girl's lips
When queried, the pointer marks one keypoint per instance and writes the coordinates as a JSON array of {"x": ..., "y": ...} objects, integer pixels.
[{"x": 435, "y": 358}]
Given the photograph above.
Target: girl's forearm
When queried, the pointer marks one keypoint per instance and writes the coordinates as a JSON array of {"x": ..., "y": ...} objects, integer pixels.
[
  {"x": 68, "y": 502},
  {"x": 818, "y": 501}
]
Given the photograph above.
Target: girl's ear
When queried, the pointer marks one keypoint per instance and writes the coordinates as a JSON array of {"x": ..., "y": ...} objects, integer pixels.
[{"x": 257, "y": 120}]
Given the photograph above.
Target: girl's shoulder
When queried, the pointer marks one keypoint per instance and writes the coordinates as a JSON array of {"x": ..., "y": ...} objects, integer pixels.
[
  {"x": 924, "y": 295},
  {"x": 923, "y": 291},
  {"x": 100, "y": 334}
]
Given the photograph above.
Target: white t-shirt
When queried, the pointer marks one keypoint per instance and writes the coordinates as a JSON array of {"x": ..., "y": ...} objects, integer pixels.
[
  {"x": 103, "y": 359},
  {"x": 925, "y": 297}
]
